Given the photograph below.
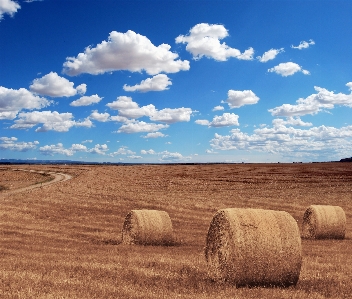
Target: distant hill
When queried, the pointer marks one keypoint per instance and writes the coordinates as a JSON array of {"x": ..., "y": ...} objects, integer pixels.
[{"x": 346, "y": 160}]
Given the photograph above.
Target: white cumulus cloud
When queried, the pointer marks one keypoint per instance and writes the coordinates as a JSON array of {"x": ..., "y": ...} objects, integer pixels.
[
  {"x": 167, "y": 156},
  {"x": 159, "y": 82},
  {"x": 102, "y": 117},
  {"x": 140, "y": 126},
  {"x": 125, "y": 51},
  {"x": 122, "y": 151},
  {"x": 154, "y": 135},
  {"x": 130, "y": 109},
  {"x": 148, "y": 152},
  {"x": 287, "y": 69},
  {"x": 14, "y": 100},
  {"x": 218, "y": 108},
  {"x": 225, "y": 120},
  {"x": 86, "y": 100},
  {"x": 12, "y": 144},
  {"x": 99, "y": 149},
  {"x": 55, "y": 86},
  {"x": 293, "y": 121},
  {"x": 289, "y": 141},
  {"x": 51, "y": 150},
  {"x": 270, "y": 55},
  {"x": 169, "y": 115},
  {"x": 303, "y": 45},
  {"x": 51, "y": 121},
  {"x": 238, "y": 98},
  {"x": 8, "y": 7},
  {"x": 323, "y": 99},
  {"x": 204, "y": 40},
  {"x": 59, "y": 149}
]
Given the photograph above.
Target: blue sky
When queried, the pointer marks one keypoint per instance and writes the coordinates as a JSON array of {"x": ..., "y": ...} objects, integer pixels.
[{"x": 176, "y": 81}]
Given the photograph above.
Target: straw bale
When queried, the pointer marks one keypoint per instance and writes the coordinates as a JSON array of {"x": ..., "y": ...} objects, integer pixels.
[
  {"x": 254, "y": 247},
  {"x": 324, "y": 222},
  {"x": 147, "y": 227}
]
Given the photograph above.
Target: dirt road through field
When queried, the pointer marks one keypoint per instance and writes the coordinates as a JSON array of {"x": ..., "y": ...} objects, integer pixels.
[{"x": 58, "y": 177}]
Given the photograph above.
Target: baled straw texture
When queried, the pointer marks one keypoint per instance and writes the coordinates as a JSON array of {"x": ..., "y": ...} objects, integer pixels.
[
  {"x": 324, "y": 222},
  {"x": 147, "y": 227},
  {"x": 254, "y": 247}
]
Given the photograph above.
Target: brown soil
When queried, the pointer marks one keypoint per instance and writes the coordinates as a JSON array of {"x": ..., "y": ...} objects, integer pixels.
[{"x": 63, "y": 240}]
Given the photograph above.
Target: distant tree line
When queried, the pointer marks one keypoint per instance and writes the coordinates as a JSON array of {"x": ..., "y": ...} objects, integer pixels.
[{"x": 346, "y": 160}]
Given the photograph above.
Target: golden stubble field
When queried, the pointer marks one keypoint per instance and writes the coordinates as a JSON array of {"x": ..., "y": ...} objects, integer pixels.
[{"x": 63, "y": 240}]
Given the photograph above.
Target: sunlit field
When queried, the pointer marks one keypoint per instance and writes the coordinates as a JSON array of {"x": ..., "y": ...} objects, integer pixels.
[{"x": 64, "y": 240}]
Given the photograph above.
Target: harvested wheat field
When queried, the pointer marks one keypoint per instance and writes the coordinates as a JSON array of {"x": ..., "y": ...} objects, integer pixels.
[{"x": 64, "y": 240}]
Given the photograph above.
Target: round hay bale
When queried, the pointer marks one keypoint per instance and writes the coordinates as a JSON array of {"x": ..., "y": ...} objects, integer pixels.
[
  {"x": 254, "y": 247},
  {"x": 324, "y": 222},
  {"x": 147, "y": 227}
]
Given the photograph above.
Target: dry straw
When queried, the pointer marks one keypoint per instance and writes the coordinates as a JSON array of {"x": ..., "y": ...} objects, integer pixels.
[
  {"x": 324, "y": 222},
  {"x": 254, "y": 247},
  {"x": 147, "y": 227}
]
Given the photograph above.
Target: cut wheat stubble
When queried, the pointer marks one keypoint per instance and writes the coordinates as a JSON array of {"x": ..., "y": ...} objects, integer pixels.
[
  {"x": 324, "y": 222},
  {"x": 147, "y": 227},
  {"x": 254, "y": 247}
]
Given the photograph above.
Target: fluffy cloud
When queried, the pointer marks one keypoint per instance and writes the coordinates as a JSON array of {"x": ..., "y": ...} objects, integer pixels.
[
  {"x": 125, "y": 51},
  {"x": 159, "y": 82},
  {"x": 303, "y": 45},
  {"x": 218, "y": 108},
  {"x": 148, "y": 152},
  {"x": 128, "y": 108},
  {"x": 204, "y": 40},
  {"x": 118, "y": 118},
  {"x": 8, "y": 7},
  {"x": 140, "y": 126},
  {"x": 12, "y": 101},
  {"x": 52, "y": 121},
  {"x": 51, "y": 150},
  {"x": 122, "y": 151},
  {"x": 349, "y": 85},
  {"x": 202, "y": 122},
  {"x": 59, "y": 149},
  {"x": 86, "y": 100},
  {"x": 78, "y": 147},
  {"x": 172, "y": 157},
  {"x": 166, "y": 156},
  {"x": 270, "y": 55},
  {"x": 287, "y": 69},
  {"x": 293, "y": 121},
  {"x": 11, "y": 143},
  {"x": 55, "y": 86},
  {"x": 289, "y": 141},
  {"x": 99, "y": 149},
  {"x": 154, "y": 135},
  {"x": 314, "y": 103},
  {"x": 238, "y": 98},
  {"x": 225, "y": 120},
  {"x": 171, "y": 116},
  {"x": 102, "y": 117}
]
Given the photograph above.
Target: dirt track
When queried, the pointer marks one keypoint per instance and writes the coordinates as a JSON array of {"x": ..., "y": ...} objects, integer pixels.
[{"x": 58, "y": 177}]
